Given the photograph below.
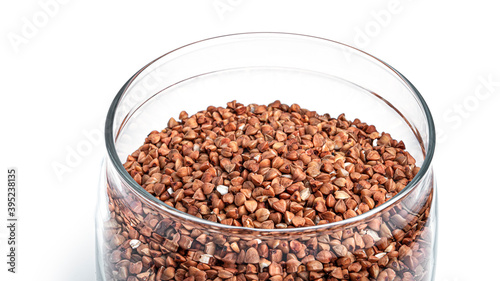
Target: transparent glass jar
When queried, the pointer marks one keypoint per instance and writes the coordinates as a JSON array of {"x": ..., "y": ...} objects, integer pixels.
[{"x": 141, "y": 238}]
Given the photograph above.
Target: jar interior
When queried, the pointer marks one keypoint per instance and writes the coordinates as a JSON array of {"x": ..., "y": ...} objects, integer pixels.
[{"x": 312, "y": 90}]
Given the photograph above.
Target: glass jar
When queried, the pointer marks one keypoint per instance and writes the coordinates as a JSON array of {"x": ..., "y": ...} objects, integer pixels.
[{"x": 141, "y": 238}]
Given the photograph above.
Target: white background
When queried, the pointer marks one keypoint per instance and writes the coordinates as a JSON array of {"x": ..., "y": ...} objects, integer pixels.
[{"x": 61, "y": 66}]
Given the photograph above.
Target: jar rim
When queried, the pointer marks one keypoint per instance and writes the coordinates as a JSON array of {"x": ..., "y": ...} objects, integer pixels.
[{"x": 139, "y": 190}]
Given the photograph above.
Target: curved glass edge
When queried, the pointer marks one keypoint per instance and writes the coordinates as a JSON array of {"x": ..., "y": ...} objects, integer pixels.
[
  {"x": 98, "y": 220},
  {"x": 113, "y": 156},
  {"x": 435, "y": 212}
]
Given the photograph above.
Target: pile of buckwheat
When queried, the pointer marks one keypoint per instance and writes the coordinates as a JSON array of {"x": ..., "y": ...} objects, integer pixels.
[
  {"x": 274, "y": 166},
  {"x": 266, "y": 167}
]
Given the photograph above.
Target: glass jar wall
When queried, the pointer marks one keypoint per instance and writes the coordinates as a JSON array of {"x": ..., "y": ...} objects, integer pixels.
[{"x": 141, "y": 238}]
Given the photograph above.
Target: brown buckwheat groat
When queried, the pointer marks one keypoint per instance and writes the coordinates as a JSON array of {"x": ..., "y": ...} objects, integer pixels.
[{"x": 268, "y": 167}]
